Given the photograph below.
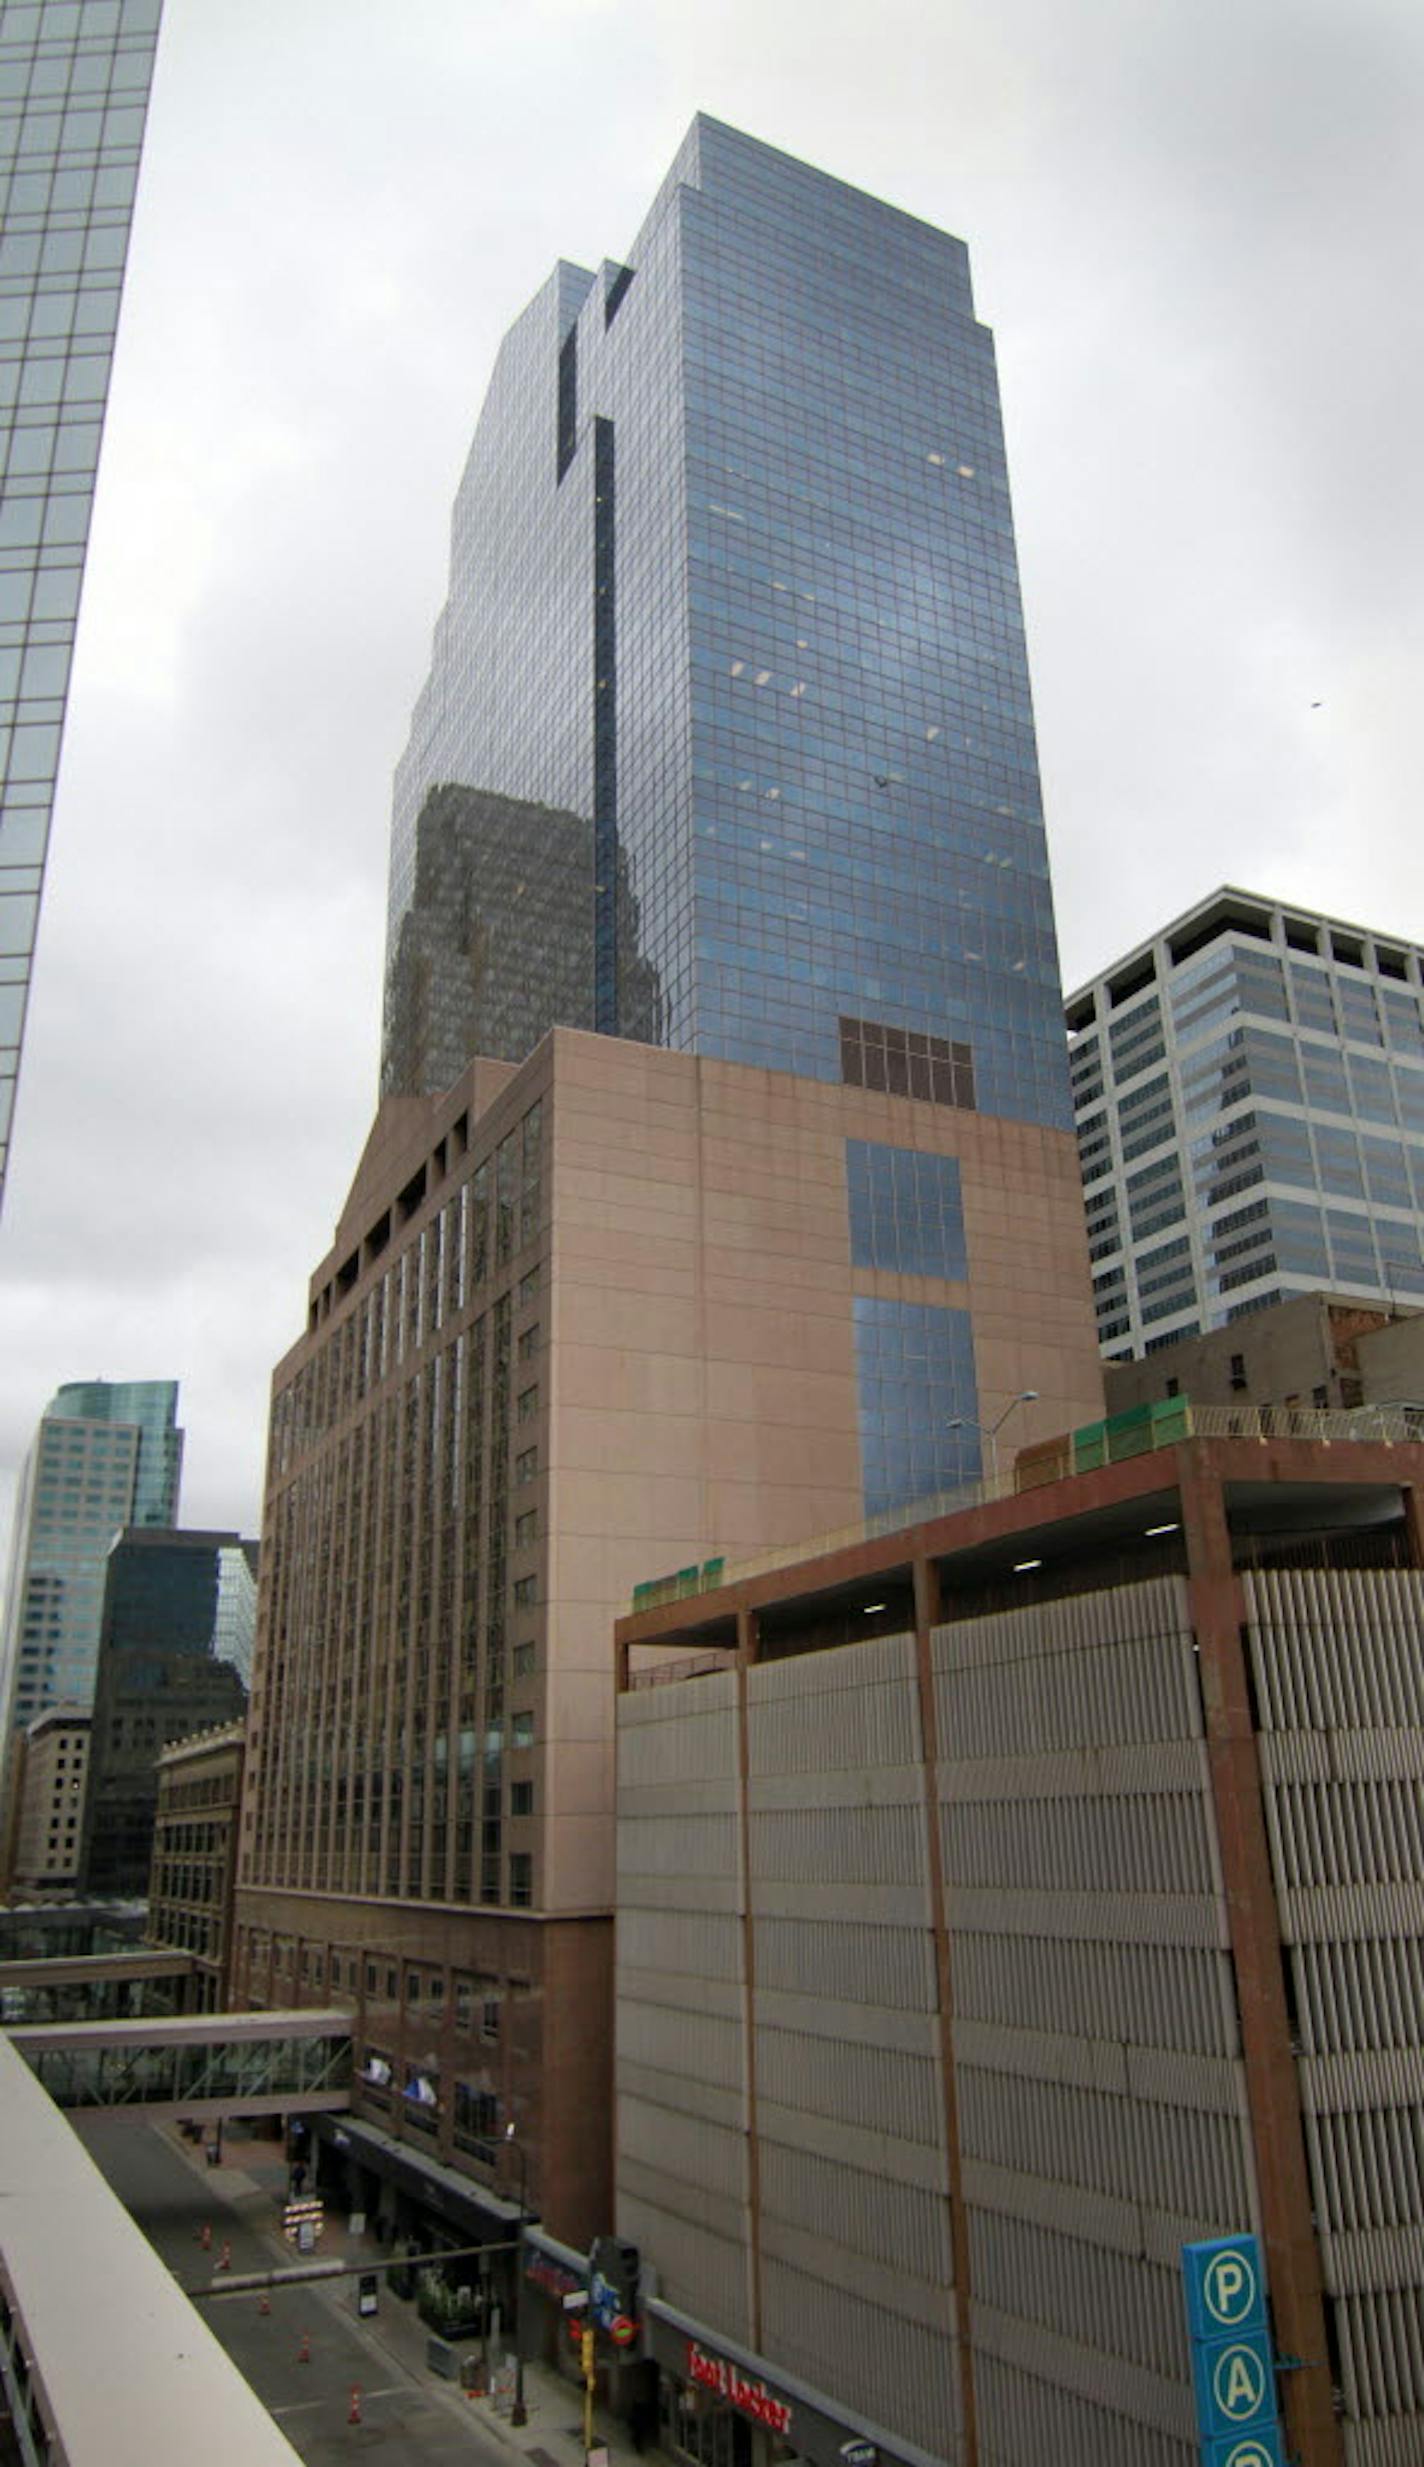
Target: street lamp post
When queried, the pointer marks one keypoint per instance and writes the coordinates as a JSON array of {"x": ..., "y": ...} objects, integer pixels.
[
  {"x": 519, "y": 2413},
  {"x": 990, "y": 1434}
]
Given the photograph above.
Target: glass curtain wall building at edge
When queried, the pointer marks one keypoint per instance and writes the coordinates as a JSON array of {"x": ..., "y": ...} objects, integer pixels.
[{"x": 74, "y": 85}]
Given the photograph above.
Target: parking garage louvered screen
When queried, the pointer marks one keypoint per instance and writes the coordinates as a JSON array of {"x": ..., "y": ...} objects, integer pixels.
[
  {"x": 1101, "y": 2096},
  {"x": 855, "y": 2255},
  {"x": 1337, "y": 1661},
  {"x": 680, "y": 2061}
]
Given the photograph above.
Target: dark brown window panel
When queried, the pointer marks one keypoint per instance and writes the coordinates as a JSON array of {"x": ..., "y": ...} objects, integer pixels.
[{"x": 903, "y": 1062}]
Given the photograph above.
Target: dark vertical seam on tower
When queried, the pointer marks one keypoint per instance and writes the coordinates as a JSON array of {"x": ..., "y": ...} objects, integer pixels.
[
  {"x": 567, "y": 402},
  {"x": 605, "y": 737}
]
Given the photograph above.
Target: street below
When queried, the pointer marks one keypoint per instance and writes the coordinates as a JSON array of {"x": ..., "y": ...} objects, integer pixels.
[{"x": 403, "y": 2412}]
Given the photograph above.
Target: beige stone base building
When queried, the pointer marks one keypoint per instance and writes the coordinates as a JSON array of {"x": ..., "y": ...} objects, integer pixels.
[
  {"x": 615, "y": 1312},
  {"x": 49, "y": 1781},
  {"x": 194, "y": 1864}
]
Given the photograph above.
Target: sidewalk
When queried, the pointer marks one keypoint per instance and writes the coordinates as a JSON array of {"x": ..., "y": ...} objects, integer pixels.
[{"x": 253, "y": 2179}]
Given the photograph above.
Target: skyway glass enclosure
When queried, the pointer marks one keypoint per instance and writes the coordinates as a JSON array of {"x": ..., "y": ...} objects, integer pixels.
[{"x": 214, "y": 2064}]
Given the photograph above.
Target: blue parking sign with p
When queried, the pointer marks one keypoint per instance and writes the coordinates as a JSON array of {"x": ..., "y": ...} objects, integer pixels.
[
  {"x": 1233, "y": 2364},
  {"x": 1226, "y": 2290}
]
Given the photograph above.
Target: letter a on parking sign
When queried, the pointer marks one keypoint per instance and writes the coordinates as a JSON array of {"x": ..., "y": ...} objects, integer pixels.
[{"x": 1238, "y": 2383}]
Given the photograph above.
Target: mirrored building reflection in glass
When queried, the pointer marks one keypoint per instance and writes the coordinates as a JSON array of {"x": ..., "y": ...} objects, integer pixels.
[
  {"x": 74, "y": 85},
  {"x": 497, "y": 940}
]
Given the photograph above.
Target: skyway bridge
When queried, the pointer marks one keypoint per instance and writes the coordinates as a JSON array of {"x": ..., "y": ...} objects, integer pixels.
[
  {"x": 43, "y": 1931},
  {"x": 96, "y": 1987},
  {"x": 197, "y": 2065}
]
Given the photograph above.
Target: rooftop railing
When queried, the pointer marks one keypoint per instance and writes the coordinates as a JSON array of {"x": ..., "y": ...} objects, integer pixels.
[{"x": 1135, "y": 1433}]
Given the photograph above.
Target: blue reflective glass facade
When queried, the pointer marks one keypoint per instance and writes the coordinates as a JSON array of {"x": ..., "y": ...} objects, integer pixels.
[
  {"x": 733, "y": 585},
  {"x": 74, "y": 81},
  {"x": 729, "y": 699},
  {"x": 905, "y": 1210},
  {"x": 915, "y": 1372}
]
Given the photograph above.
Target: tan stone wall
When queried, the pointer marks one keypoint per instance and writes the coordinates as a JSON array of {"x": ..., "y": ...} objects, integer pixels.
[
  {"x": 1308, "y": 1351},
  {"x": 193, "y": 1867},
  {"x": 702, "y": 1373},
  {"x": 52, "y": 1795},
  {"x": 1391, "y": 1361},
  {"x": 692, "y": 1348}
]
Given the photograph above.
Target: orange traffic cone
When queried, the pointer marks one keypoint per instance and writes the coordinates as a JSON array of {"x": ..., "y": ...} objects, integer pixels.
[
  {"x": 304, "y": 2351},
  {"x": 224, "y": 2259},
  {"x": 353, "y": 2412}
]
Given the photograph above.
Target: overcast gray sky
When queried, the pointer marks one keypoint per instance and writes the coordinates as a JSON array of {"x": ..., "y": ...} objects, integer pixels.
[{"x": 1194, "y": 226}]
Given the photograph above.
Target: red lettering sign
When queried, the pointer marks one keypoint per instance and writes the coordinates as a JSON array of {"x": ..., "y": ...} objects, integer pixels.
[
  {"x": 555, "y": 2280},
  {"x": 750, "y": 2398}
]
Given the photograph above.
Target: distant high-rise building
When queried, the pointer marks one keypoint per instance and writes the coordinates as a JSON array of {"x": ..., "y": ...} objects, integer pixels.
[
  {"x": 106, "y": 1455},
  {"x": 195, "y": 1834},
  {"x": 46, "y": 1822},
  {"x": 235, "y": 1632},
  {"x": 74, "y": 82},
  {"x": 734, "y": 606},
  {"x": 161, "y": 1677},
  {"x": 1249, "y": 1090}
]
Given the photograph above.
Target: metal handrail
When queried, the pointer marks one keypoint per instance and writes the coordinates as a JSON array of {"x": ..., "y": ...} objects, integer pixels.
[{"x": 690, "y": 1666}]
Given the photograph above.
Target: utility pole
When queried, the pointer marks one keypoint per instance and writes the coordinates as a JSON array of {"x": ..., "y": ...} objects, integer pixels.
[{"x": 519, "y": 2413}]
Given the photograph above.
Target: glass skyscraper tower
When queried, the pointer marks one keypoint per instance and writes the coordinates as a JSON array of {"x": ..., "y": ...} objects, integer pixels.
[
  {"x": 108, "y": 1454},
  {"x": 729, "y": 699},
  {"x": 74, "y": 82}
]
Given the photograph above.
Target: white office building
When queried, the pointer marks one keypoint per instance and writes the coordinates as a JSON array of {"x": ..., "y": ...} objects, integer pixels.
[{"x": 1249, "y": 1095}]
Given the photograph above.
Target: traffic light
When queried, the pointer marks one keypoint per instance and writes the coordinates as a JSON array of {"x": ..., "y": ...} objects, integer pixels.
[
  {"x": 613, "y": 2279},
  {"x": 613, "y": 2284}
]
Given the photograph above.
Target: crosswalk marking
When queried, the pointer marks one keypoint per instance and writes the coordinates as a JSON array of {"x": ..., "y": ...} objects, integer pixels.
[{"x": 304, "y": 2406}]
